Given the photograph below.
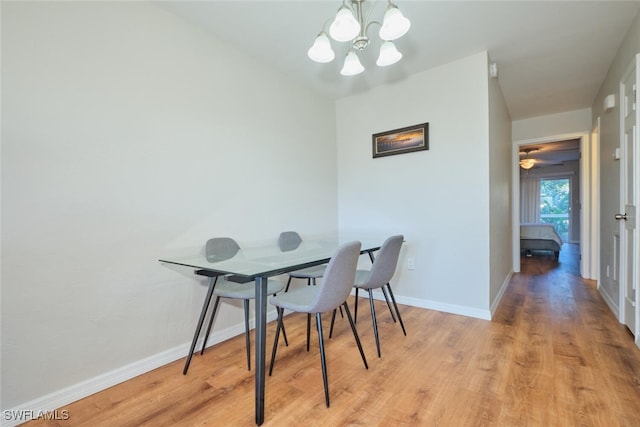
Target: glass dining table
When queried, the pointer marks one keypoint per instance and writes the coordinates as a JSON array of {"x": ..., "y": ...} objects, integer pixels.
[{"x": 258, "y": 264}]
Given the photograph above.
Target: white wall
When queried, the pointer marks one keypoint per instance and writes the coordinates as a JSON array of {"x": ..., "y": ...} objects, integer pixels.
[
  {"x": 610, "y": 168},
  {"x": 127, "y": 133},
  {"x": 436, "y": 198},
  {"x": 554, "y": 124},
  {"x": 499, "y": 193}
]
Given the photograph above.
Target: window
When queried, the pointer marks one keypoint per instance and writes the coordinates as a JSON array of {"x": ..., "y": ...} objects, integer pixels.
[{"x": 555, "y": 205}]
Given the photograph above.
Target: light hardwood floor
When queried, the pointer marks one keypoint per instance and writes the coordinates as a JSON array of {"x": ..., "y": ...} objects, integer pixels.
[{"x": 554, "y": 355}]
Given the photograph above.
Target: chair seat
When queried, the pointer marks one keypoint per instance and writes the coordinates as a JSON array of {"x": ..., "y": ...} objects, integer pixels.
[
  {"x": 362, "y": 279},
  {"x": 298, "y": 300},
  {"x": 227, "y": 289},
  {"x": 314, "y": 272}
]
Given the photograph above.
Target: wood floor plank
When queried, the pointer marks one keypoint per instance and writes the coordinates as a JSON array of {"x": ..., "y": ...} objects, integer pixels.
[{"x": 554, "y": 355}]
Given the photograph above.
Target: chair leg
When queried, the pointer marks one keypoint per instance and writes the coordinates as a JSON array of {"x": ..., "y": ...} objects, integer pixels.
[
  {"x": 333, "y": 320},
  {"x": 396, "y": 307},
  {"x": 386, "y": 298},
  {"x": 275, "y": 342},
  {"x": 284, "y": 334},
  {"x": 211, "y": 320},
  {"x": 355, "y": 334},
  {"x": 355, "y": 308},
  {"x": 288, "y": 283},
  {"x": 373, "y": 319},
  {"x": 323, "y": 359},
  {"x": 308, "y": 329},
  {"x": 213, "y": 316},
  {"x": 247, "y": 337},
  {"x": 203, "y": 313}
]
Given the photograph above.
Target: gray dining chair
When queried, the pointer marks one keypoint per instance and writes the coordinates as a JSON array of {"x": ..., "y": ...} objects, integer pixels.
[
  {"x": 291, "y": 240},
  {"x": 378, "y": 277},
  {"x": 330, "y": 294},
  {"x": 220, "y": 249}
]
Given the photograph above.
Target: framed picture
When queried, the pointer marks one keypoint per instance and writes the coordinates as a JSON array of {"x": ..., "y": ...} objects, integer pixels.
[{"x": 398, "y": 141}]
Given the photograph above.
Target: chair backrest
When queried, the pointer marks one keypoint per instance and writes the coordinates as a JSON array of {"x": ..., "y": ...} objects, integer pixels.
[
  {"x": 338, "y": 278},
  {"x": 221, "y": 248},
  {"x": 385, "y": 262},
  {"x": 289, "y": 240}
]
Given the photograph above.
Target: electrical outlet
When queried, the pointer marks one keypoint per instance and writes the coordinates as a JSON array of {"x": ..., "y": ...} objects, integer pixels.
[{"x": 411, "y": 264}]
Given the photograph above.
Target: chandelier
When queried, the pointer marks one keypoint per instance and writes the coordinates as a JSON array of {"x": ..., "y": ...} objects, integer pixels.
[{"x": 350, "y": 25}]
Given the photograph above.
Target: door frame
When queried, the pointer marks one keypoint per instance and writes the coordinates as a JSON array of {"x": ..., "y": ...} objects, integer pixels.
[
  {"x": 624, "y": 259},
  {"x": 588, "y": 192},
  {"x": 595, "y": 201}
]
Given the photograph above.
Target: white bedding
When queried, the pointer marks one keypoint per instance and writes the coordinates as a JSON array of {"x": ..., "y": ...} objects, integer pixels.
[{"x": 539, "y": 231}]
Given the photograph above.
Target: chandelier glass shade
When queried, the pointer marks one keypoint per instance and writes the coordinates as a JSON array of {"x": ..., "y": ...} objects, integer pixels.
[
  {"x": 394, "y": 25},
  {"x": 345, "y": 27},
  {"x": 352, "y": 65},
  {"x": 321, "y": 50},
  {"x": 349, "y": 25},
  {"x": 388, "y": 54}
]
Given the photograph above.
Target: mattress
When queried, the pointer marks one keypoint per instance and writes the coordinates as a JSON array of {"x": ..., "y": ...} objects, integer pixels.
[{"x": 539, "y": 231}]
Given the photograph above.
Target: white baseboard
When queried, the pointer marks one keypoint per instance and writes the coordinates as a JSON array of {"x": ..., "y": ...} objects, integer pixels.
[
  {"x": 614, "y": 309},
  {"x": 439, "y": 306},
  {"x": 503, "y": 288},
  {"x": 612, "y": 305},
  {"x": 447, "y": 308},
  {"x": 45, "y": 406}
]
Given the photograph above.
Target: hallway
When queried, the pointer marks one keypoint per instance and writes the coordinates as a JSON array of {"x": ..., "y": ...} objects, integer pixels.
[{"x": 582, "y": 367}]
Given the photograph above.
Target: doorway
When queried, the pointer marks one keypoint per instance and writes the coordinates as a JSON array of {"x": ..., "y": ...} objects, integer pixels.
[{"x": 581, "y": 209}]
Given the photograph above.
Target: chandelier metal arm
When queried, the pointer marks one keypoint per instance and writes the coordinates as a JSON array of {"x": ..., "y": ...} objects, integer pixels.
[
  {"x": 362, "y": 41},
  {"x": 364, "y": 22},
  {"x": 371, "y": 23}
]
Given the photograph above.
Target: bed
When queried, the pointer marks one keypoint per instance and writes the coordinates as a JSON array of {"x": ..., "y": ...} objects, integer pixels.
[{"x": 540, "y": 237}]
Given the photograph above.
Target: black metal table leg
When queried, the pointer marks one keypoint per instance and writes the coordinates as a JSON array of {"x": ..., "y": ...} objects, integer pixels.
[{"x": 261, "y": 348}]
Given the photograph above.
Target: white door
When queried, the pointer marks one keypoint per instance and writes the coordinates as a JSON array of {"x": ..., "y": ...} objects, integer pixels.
[{"x": 629, "y": 187}]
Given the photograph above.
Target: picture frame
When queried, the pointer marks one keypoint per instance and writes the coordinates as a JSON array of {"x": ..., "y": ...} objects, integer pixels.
[{"x": 399, "y": 141}]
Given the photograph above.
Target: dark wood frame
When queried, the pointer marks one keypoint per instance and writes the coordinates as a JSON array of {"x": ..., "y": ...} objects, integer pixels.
[{"x": 391, "y": 142}]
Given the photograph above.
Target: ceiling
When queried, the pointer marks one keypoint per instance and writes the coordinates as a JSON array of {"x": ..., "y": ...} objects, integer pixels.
[{"x": 552, "y": 56}]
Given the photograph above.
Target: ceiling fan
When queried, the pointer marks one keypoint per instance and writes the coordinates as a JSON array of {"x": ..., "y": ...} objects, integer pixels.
[
  {"x": 544, "y": 158},
  {"x": 527, "y": 162}
]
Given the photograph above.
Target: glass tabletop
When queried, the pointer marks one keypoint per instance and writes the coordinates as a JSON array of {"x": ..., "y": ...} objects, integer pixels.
[{"x": 251, "y": 262}]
